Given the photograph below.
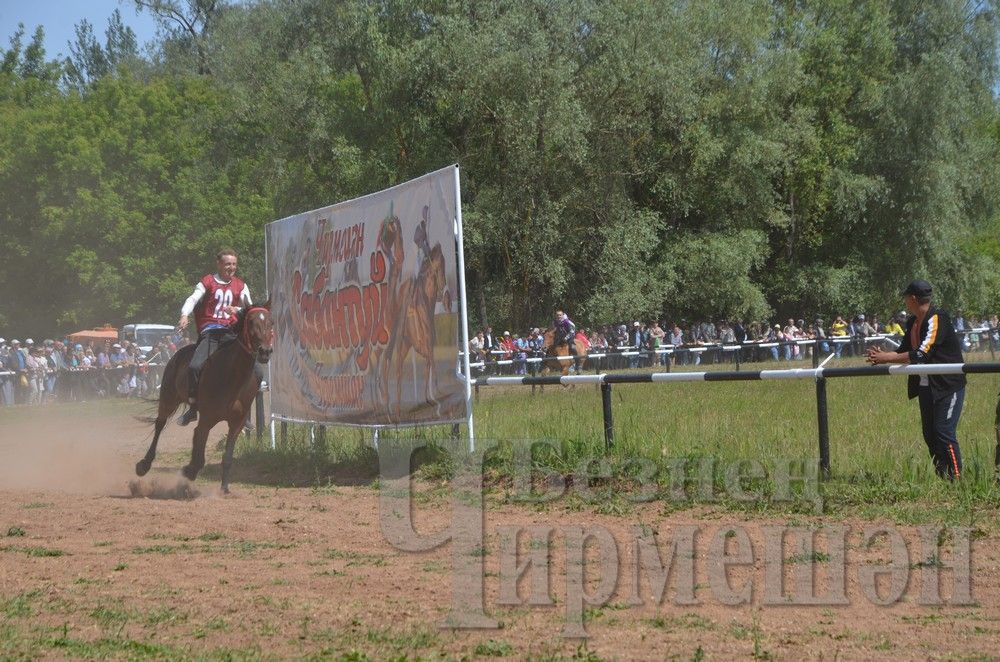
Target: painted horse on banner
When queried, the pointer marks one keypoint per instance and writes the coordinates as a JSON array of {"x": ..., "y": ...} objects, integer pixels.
[{"x": 413, "y": 329}]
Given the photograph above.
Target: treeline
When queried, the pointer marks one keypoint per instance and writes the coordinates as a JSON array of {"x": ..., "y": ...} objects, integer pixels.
[{"x": 620, "y": 159}]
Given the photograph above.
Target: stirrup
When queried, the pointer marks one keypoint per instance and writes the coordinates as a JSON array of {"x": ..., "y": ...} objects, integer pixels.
[{"x": 189, "y": 416}]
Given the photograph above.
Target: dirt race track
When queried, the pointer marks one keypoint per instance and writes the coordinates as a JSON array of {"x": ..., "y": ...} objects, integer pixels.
[{"x": 86, "y": 570}]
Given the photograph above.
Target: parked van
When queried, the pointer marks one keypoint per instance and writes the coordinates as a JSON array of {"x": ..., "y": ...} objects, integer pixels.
[{"x": 145, "y": 335}]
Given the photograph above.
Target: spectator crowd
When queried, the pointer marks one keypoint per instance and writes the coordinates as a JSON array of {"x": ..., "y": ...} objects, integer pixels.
[
  {"x": 637, "y": 345},
  {"x": 36, "y": 373}
]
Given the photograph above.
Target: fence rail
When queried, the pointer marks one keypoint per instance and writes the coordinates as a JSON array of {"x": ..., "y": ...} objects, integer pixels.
[{"x": 819, "y": 373}]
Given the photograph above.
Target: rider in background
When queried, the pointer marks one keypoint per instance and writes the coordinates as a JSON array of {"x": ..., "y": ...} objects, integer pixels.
[
  {"x": 565, "y": 332},
  {"x": 216, "y": 301}
]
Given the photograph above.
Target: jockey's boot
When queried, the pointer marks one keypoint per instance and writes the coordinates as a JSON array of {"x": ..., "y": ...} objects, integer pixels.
[{"x": 189, "y": 416}]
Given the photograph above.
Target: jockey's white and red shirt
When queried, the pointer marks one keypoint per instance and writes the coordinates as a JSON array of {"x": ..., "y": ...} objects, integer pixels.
[{"x": 211, "y": 295}]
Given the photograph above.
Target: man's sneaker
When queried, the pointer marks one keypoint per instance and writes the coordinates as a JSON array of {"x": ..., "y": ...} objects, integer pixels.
[{"x": 187, "y": 417}]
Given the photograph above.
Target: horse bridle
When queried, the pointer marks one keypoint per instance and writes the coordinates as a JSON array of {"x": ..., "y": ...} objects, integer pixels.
[{"x": 244, "y": 337}]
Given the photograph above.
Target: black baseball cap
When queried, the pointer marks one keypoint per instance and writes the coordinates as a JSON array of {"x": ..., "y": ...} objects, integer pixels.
[{"x": 918, "y": 288}]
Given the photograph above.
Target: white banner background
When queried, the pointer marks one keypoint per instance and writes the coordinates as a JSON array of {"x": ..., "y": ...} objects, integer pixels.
[{"x": 366, "y": 302}]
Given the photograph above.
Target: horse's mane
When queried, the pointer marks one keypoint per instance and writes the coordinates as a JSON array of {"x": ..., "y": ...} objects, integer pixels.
[{"x": 241, "y": 322}]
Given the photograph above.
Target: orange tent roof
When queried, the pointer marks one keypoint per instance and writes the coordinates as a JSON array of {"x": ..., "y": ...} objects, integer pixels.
[{"x": 99, "y": 334}]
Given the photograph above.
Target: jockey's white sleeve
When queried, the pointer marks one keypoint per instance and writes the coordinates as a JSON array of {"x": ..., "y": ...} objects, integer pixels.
[
  {"x": 192, "y": 301},
  {"x": 245, "y": 297}
]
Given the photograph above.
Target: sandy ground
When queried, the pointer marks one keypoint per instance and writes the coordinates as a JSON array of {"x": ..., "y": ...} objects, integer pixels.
[{"x": 88, "y": 570}]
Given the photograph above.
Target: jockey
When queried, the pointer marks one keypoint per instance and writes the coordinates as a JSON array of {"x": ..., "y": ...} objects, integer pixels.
[
  {"x": 216, "y": 301},
  {"x": 565, "y": 331}
]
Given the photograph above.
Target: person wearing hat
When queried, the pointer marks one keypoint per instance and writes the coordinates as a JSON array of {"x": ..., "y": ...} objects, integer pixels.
[{"x": 930, "y": 338}]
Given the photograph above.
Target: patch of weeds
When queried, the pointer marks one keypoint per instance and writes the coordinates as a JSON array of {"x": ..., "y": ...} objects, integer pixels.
[
  {"x": 103, "y": 543},
  {"x": 614, "y": 505},
  {"x": 35, "y": 551},
  {"x": 926, "y": 619},
  {"x": 160, "y": 549},
  {"x": 494, "y": 648},
  {"x": 356, "y": 558},
  {"x": 598, "y": 611},
  {"x": 932, "y": 561},
  {"x": 690, "y": 621},
  {"x": 109, "y": 647},
  {"x": 37, "y": 504},
  {"x": 15, "y": 532},
  {"x": 250, "y": 547},
  {"x": 330, "y": 573},
  {"x": 211, "y": 535},
  {"x": 108, "y": 616},
  {"x": 324, "y": 490},
  {"x": 217, "y": 624},
  {"x": 584, "y": 653},
  {"x": 120, "y": 567},
  {"x": 19, "y": 606},
  {"x": 164, "y": 615},
  {"x": 434, "y": 566},
  {"x": 406, "y": 641},
  {"x": 759, "y": 652},
  {"x": 814, "y": 557}
]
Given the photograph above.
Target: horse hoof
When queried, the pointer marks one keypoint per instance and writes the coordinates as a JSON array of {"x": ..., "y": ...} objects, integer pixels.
[
  {"x": 225, "y": 489},
  {"x": 142, "y": 467},
  {"x": 189, "y": 472}
]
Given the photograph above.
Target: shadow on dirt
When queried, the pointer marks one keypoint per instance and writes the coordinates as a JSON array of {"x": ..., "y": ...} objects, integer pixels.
[{"x": 304, "y": 467}]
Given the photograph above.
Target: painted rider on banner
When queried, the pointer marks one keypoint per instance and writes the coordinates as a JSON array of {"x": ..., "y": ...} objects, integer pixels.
[
  {"x": 565, "y": 332},
  {"x": 420, "y": 239},
  {"x": 216, "y": 303}
]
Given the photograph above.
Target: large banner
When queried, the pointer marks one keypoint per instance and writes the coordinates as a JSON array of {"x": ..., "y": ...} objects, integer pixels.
[{"x": 366, "y": 301}]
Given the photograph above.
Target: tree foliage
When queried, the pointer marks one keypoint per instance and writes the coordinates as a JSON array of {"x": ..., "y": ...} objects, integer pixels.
[{"x": 619, "y": 159}]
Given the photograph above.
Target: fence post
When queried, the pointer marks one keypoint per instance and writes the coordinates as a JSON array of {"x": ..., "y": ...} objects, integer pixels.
[
  {"x": 823, "y": 422},
  {"x": 989, "y": 334},
  {"x": 822, "y": 417},
  {"x": 284, "y": 434},
  {"x": 259, "y": 407},
  {"x": 609, "y": 425},
  {"x": 996, "y": 453}
]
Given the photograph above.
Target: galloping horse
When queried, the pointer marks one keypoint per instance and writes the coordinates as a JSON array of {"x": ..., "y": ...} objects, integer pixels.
[
  {"x": 225, "y": 391},
  {"x": 413, "y": 327},
  {"x": 554, "y": 353}
]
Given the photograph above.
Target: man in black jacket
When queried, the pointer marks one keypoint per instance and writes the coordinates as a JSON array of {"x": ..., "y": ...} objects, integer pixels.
[{"x": 930, "y": 338}]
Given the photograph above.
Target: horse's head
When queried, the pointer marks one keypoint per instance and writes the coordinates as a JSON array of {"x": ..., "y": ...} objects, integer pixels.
[
  {"x": 258, "y": 332},
  {"x": 432, "y": 273},
  {"x": 548, "y": 338}
]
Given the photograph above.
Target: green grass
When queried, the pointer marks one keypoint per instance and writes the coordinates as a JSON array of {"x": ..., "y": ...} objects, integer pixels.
[{"x": 880, "y": 465}]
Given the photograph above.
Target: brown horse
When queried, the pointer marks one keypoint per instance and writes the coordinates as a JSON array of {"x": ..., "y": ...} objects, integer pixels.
[
  {"x": 557, "y": 356},
  {"x": 225, "y": 391},
  {"x": 413, "y": 328}
]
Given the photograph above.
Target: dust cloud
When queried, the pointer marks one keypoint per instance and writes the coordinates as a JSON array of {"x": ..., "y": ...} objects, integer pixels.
[{"x": 90, "y": 449}]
